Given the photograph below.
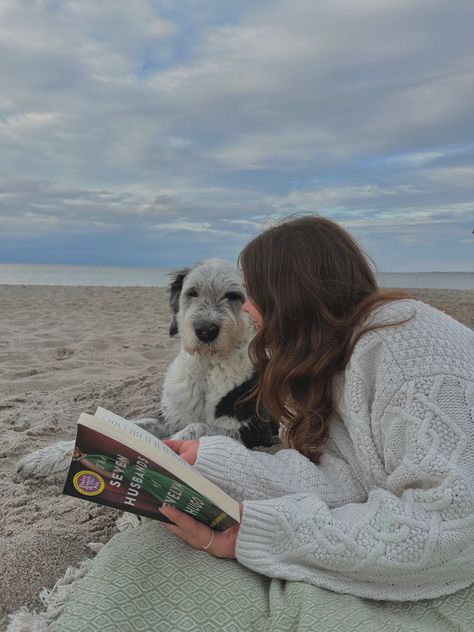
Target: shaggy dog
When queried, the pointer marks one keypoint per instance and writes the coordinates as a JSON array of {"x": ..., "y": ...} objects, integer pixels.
[{"x": 212, "y": 370}]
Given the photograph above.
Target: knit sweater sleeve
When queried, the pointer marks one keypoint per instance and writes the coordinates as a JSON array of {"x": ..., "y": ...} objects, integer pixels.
[{"x": 250, "y": 475}]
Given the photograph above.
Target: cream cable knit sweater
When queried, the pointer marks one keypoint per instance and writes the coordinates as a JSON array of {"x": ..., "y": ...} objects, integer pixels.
[{"x": 389, "y": 511}]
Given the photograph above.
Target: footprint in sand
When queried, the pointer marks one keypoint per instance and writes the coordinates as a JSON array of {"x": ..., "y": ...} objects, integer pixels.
[
  {"x": 152, "y": 355},
  {"x": 63, "y": 353},
  {"x": 19, "y": 373}
]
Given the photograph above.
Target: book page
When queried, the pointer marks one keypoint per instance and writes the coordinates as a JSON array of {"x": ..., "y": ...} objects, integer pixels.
[{"x": 136, "y": 431}]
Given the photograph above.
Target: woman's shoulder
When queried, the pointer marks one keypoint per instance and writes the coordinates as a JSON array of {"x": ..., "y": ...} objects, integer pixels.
[
  {"x": 421, "y": 339},
  {"x": 412, "y": 317}
]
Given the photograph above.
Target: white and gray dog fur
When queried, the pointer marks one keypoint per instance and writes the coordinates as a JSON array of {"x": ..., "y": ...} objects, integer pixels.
[{"x": 211, "y": 371}]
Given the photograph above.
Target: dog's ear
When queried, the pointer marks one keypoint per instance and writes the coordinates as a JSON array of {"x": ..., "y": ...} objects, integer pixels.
[{"x": 174, "y": 290}]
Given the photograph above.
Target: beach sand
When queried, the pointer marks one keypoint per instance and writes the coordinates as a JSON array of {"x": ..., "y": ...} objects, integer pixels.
[{"x": 64, "y": 350}]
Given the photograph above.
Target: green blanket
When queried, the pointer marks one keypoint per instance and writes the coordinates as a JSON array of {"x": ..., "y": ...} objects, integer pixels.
[{"x": 145, "y": 579}]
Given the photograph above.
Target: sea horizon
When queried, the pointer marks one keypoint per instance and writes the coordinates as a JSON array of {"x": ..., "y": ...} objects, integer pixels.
[{"x": 141, "y": 276}]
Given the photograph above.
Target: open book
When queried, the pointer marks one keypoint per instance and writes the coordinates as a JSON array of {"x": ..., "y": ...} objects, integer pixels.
[{"x": 117, "y": 463}]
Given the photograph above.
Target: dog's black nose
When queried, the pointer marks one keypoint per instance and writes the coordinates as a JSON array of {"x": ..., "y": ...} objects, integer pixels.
[{"x": 207, "y": 332}]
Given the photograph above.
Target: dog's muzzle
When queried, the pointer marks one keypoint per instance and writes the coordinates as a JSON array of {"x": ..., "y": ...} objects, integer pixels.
[{"x": 206, "y": 332}]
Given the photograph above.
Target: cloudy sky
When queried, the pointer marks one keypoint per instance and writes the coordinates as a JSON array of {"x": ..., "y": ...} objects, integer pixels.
[{"x": 158, "y": 133}]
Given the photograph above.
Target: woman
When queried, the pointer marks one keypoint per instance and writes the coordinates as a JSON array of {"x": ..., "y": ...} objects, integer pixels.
[{"x": 373, "y": 498}]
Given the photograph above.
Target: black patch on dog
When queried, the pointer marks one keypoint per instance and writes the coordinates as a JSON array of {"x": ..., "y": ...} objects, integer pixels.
[
  {"x": 174, "y": 291},
  {"x": 254, "y": 431}
]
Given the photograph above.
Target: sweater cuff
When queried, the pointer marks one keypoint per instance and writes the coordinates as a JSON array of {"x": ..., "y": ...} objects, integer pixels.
[{"x": 255, "y": 536}]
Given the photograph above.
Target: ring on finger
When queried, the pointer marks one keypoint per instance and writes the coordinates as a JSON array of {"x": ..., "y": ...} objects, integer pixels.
[{"x": 210, "y": 541}]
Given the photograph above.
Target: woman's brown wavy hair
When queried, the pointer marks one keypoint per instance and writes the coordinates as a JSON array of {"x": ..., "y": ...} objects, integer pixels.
[{"x": 314, "y": 288}]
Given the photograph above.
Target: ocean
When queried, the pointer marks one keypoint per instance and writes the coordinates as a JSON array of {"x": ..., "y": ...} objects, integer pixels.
[{"x": 29, "y": 274}]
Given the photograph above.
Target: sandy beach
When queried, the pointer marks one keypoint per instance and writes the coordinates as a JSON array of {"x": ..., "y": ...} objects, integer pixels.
[{"x": 64, "y": 350}]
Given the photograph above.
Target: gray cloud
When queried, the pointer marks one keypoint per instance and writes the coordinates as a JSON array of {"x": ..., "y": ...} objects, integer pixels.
[{"x": 204, "y": 120}]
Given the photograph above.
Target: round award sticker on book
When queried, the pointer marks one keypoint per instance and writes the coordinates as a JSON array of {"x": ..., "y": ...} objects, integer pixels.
[{"x": 88, "y": 483}]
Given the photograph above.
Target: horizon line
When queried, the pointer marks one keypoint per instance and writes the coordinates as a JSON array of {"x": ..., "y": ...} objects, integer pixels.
[{"x": 142, "y": 267}]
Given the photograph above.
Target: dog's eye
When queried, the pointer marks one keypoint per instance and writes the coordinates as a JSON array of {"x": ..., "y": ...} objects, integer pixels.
[
  {"x": 233, "y": 296},
  {"x": 192, "y": 293}
]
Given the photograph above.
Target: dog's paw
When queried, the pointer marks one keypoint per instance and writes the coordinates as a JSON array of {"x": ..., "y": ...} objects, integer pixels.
[
  {"x": 191, "y": 431},
  {"x": 182, "y": 435},
  {"x": 153, "y": 426},
  {"x": 51, "y": 460}
]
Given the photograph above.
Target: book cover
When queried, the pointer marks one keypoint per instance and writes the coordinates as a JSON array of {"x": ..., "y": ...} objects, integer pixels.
[{"x": 115, "y": 473}]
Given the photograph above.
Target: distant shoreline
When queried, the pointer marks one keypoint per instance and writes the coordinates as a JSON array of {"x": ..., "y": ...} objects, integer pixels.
[{"x": 110, "y": 276}]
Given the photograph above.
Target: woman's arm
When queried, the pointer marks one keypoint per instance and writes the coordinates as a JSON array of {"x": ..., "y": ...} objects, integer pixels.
[
  {"x": 250, "y": 475},
  {"x": 380, "y": 549}
]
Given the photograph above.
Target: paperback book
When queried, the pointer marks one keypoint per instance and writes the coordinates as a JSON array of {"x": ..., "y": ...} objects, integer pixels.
[{"x": 118, "y": 464}]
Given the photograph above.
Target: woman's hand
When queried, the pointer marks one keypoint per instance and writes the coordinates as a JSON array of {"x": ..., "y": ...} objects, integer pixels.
[
  {"x": 187, "y": 450},
  {"x": 198, "y": 535}
]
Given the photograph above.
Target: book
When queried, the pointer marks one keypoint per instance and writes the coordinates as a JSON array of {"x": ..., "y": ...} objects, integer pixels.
[{"x": 118, "y": 464}]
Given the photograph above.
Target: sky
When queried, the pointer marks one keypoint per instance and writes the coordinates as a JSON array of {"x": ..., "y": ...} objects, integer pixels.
[{"x": 160, "y": 133}]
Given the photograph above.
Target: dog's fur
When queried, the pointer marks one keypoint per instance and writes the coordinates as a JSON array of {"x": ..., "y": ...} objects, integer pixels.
[{"x": 211, "y": 371}]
